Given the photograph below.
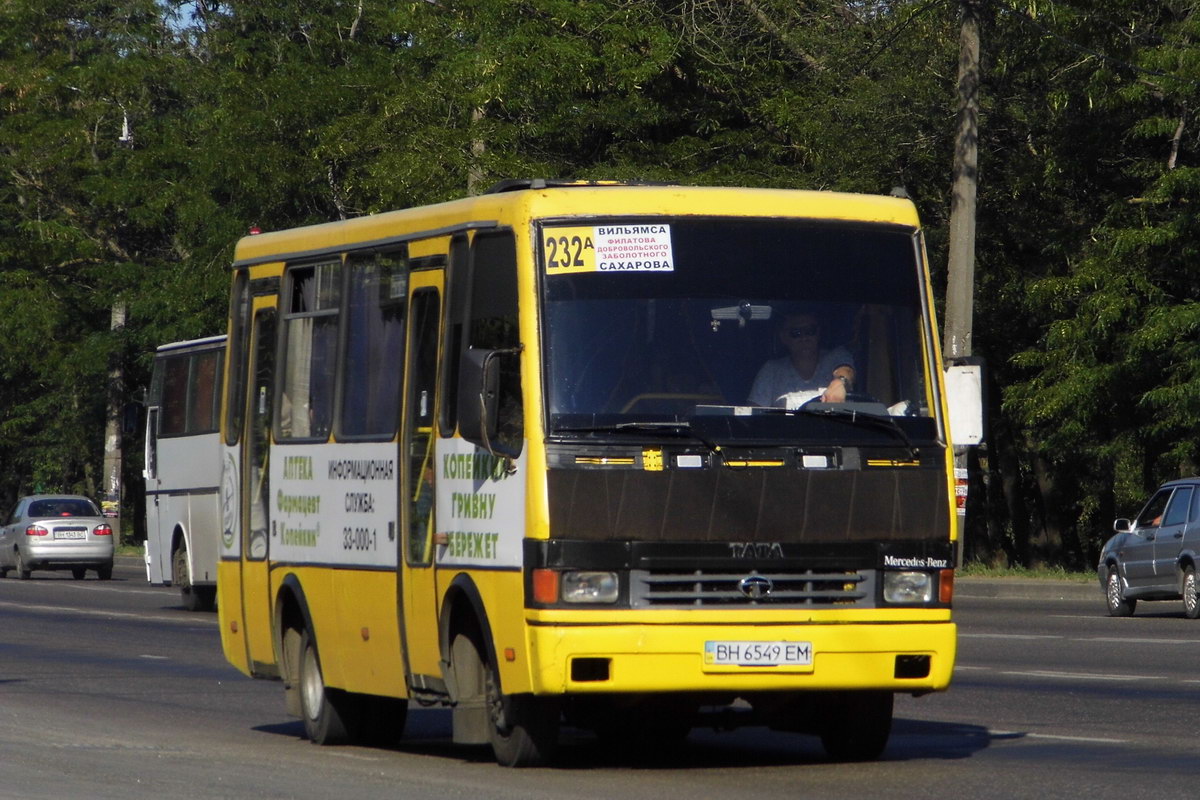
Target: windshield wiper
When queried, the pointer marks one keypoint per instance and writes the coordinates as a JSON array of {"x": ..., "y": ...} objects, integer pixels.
[
  {"x": 678, "y": 427},
  {"x": 853, "y": 417}
]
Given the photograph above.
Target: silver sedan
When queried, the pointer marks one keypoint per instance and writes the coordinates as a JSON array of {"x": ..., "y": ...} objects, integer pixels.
[{"x": 48, "y": 531}]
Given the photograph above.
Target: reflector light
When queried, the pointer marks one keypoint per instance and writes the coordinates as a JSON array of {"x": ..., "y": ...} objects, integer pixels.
[
  {"x": 945, "y": 586},
  {"x": 545, "y": 586}
]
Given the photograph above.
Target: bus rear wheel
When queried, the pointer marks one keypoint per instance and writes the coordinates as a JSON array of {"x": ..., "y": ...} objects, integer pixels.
[
  {"x": 320, "y": 707},
  {"x": 195, "y": 598}
]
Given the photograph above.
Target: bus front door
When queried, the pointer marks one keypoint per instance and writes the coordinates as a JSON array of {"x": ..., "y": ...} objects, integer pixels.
[
  {"x": 418, "y": 589},
  {"x": 256, "y": 495}
]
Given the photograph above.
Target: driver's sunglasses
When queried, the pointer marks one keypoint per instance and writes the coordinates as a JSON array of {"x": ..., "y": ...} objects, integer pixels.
[{"x": 803, "y": 330}]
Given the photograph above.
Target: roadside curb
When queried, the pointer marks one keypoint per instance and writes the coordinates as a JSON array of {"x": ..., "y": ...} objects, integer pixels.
[{"x": 1026, "y": 589}]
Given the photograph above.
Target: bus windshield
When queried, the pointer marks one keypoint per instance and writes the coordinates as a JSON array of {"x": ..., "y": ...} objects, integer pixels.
[{"x": 678, "y": 320}]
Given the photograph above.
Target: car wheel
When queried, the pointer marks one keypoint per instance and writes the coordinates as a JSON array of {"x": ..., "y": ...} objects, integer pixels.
[
  {"x": 78, "y": 572},
  {"x": 320, "y": 706},
  {"x": 104, "y": 573},
  {"x": 1118, "y": 604},
  {"x": 1191, "y": 602},
  {"x": 22, "y": 570}
]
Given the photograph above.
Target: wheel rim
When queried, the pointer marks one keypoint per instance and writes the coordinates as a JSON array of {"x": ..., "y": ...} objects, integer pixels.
[
  {"x": 312, "y": 687},
  {"x": 1189, "y": 592},
  {"x": 1114, "y": 590}
]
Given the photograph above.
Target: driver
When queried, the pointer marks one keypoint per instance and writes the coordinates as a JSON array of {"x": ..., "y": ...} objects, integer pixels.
[{"x": 807, "y": 372}]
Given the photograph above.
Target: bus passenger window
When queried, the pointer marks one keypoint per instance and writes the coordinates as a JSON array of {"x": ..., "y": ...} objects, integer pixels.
[
  {"x": 173, "y": 421},
  {"x": 310, "y": 347},
  {"x": 375, "y": 297}
]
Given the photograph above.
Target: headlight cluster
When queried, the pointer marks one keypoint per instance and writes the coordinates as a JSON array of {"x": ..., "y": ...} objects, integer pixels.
[
  {"x": 577, "y": 587},
  {"x": 907, "y": 588}
]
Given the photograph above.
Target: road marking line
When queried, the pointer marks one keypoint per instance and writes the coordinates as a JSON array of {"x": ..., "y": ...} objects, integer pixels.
[
  {"x": 1087, "y": 676},
  {"x": 1008, "y": 636},
  {"x": 91, "y": 612},
  {"x": 63, "y": 584},
  {"x": 1056, "y": 737},
  {"x": 1123, "y": 640}
]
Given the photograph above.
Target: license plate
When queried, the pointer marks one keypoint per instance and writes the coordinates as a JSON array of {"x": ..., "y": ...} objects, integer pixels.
[
  {"x": 70, "y": 534},
  {"x": 758, "y": 654}
]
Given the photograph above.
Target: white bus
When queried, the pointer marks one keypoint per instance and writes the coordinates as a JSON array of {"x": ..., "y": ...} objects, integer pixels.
[{"x": 183, "y": 468}]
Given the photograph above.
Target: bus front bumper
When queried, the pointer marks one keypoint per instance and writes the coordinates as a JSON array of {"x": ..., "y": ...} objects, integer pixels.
[{"x": 910, "y": 657}]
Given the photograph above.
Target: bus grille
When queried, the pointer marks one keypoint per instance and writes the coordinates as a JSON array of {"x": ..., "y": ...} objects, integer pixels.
[{"x": 664, "y": 588}]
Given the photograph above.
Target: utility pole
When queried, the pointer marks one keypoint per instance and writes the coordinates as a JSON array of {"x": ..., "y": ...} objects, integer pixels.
[
  {"x": 960, "y": 286},
  {"x": 960, "y": 283},
  {"x": 110, "y": 496}
]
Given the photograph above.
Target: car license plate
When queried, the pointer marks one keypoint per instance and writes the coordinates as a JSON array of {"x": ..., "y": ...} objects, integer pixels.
[
  {"x": 70, "y": 534},
  {"x": 757, "y": 654}
]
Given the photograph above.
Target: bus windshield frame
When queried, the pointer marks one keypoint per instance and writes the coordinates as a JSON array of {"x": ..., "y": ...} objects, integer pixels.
[{"x": 648, "y": 346}]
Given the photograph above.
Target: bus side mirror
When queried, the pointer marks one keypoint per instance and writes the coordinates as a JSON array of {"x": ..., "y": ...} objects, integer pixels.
[
  {"x": 478, "y": 396},
  {"x": 964, "y": 401}
]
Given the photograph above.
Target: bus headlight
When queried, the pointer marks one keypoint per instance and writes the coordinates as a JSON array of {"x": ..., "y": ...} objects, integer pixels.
[
  {"x": 589, "y": 587},
  {"x": 907, "y": 588}
]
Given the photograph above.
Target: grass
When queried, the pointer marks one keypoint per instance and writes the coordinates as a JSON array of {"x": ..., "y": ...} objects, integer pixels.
[{"x": 977, "y": 570}]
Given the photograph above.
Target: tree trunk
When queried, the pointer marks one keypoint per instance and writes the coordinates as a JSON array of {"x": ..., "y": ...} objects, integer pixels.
[{"x": 110, "y": 499}]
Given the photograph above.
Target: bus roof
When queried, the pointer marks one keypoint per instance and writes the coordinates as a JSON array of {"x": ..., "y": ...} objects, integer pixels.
[{"x": 515, "y": 203}]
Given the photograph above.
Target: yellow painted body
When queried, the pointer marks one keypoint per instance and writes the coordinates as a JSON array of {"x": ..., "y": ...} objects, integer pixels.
[{"x": 364, "y": 619}]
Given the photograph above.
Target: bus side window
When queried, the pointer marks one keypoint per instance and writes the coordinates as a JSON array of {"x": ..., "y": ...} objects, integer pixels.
[
  {"x": 310, "y": 331},
  {"x": 173, "y": 420},
  {"x": 239, "y": 317},
  {"x": 376, "y": 288},
  {"x": 493, "y": 325},
  {"x": 205, "y": 379},
  {"x": 453, "y": 313}
]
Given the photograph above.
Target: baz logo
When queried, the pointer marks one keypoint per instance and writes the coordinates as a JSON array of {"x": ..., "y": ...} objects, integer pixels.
[{"x": 756, "y": 549}]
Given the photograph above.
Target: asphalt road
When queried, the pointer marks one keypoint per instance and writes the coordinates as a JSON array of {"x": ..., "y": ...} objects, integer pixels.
[{"x": 110, "y": 689}]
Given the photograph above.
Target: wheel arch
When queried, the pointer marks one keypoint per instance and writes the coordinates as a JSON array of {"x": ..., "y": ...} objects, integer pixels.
[
  {"x": 1186, "y": 559},
  {"x": 463, "y": 610},
  {"x": 291, "y": 610}
]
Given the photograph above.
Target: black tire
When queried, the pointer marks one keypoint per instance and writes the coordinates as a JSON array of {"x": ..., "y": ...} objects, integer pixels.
[
  {"x": 206, "y": 598},
  {"x": 78, "y": 572},
  {"x": 23, "y": 572},
  {"x": 320, "y": 707},
  {"x": 104, "y": 573},
  {"x": 1114, "y": 594},
  {"x": 859, "y": 727},
  {"x": 523, "y": 729},
  {"x": 182, "y": 577},
  {"x": 1191, "y": 593}
]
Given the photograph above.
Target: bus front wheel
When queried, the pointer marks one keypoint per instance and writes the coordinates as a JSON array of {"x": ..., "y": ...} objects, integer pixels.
[
  {"x": 522, "y": 728},
  {"x": 859, "y": 726},
  {"x": 320, "y": 707}
]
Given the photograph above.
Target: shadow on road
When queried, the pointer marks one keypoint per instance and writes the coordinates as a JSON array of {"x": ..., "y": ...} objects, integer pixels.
[{"x": 428, "y": 733}]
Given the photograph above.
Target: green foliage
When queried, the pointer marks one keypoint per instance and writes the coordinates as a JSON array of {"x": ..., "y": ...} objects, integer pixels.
[{"x": 139, "y": 139}]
